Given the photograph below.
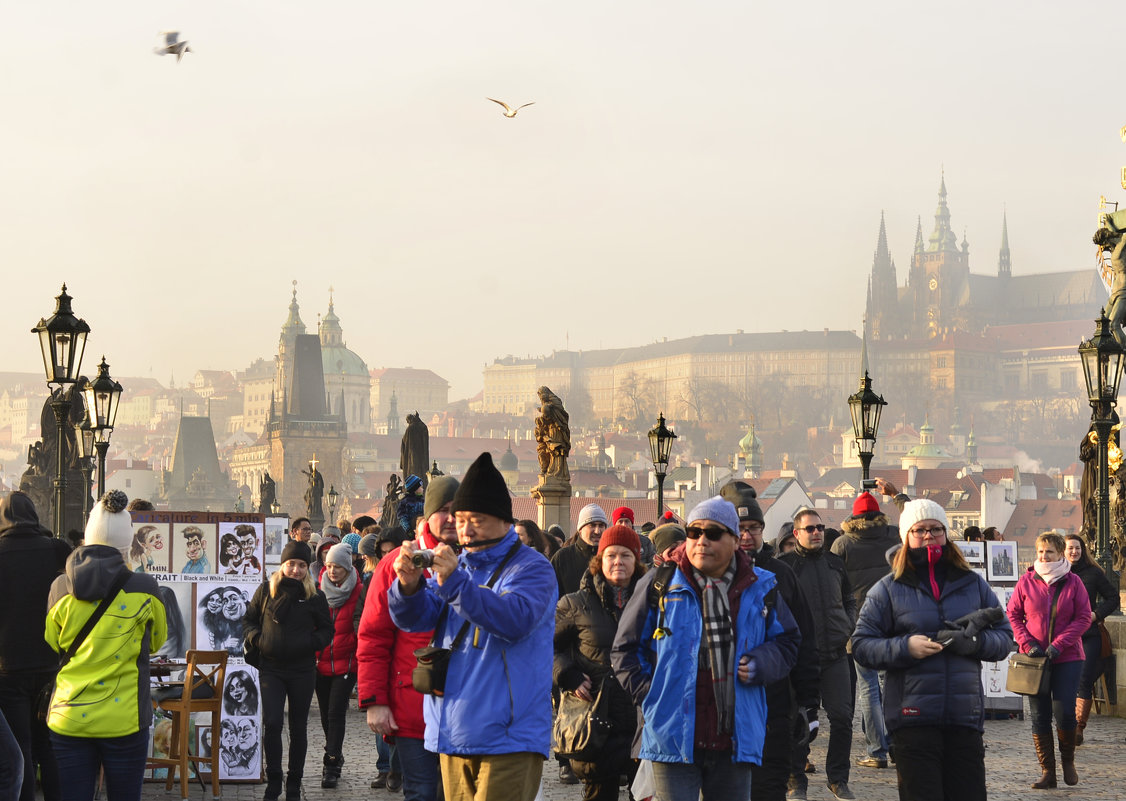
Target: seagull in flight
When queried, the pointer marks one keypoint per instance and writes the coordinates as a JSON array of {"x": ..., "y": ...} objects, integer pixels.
[
  {"x": 508, "y": 110},
  {"x": 172, "y": 44}
]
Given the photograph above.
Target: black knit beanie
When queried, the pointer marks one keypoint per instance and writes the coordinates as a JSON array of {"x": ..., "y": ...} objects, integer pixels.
[
  {"x": 483, "y": 490},
  {"x": 295, "y": 549},
  {"x": 743, "y": 496}
]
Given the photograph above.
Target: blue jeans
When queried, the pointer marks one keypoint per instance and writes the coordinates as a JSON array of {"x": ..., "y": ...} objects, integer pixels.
[
  {"x": 420, "y": 769},
  {"x": 869, "y": 697},
  {"x": 711, "y": 777},
  {"x": 122, "y": 759},
  {"x": 1059, "y": 700},
  {"x": 11, "y": 763},
  {"x": 386, "y": 756}
]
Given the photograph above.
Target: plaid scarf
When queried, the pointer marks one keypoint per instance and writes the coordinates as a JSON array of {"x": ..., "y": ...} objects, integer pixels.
[{"x": 716, "y": 645}]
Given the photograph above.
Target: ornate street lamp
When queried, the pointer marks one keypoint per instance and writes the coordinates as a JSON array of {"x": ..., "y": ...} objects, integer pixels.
[
  {"x": 103, "y": 396},
  {"x": 866, "y": 407},
  {"x": 84, "y": 443},
  {"x": 275, "y": 507},
  {"x": 660, "y": 445},
  {"x": 333, "y": 496},
  {"x": 62, "y": 339},
  {"x": 1102, "y": 359}
]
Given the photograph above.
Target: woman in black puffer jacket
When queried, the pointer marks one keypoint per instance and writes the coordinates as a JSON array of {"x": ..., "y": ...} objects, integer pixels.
[
  {"x": 585, "y": 624},
  {"x": 1103, "y": 593},
  {"x": 287, "y": 623}
]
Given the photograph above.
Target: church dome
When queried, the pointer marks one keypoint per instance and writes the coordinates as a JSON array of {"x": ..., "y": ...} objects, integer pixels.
[
  {"x": 509, "y": 462},
  {"x": 336, "y": 358}
]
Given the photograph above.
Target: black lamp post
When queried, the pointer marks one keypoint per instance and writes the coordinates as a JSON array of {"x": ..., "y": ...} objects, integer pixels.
[
  {"x": 275, "y": 507},
  {"x": 333, "y": 496},
  {"x": 866, "y": 407},
  {"x": 84, "y": 442},
  {"x": 62, "y": 339},
  {"x": 1102, "y": 369},
  {"x": 660, "y": 445},
  {"x": 103, "y": 396}
]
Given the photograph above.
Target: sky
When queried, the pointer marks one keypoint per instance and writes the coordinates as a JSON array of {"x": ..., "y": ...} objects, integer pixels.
[{"x": 686, "y": 168}]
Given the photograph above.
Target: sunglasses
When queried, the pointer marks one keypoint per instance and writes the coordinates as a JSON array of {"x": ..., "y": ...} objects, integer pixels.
[
  {"x": 713, "y": 533},
  {"x": 811, "y": 529}
]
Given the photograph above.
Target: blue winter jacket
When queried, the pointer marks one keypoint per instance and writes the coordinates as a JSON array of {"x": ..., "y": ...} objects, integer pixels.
[
  {"x": 940, "y": 690},
  {"x": 661, "y": 673},
  {"x": 498, "y": 689}
]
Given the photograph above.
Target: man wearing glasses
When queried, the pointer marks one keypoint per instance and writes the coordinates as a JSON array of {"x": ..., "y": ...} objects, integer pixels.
[
  {"x": 824, "y": 581},
  {"x": 717, "y": 634}
]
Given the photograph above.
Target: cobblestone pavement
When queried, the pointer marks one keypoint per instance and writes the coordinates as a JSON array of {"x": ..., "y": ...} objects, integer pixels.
[{"x": 1010, "y": 767}]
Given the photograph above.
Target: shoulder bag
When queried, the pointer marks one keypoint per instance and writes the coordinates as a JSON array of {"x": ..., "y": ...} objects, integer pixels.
[
  {"x": 1030, "y": 675},
  {"x": 429, "y": 677},
  {"x": 47, "y": 693},
  {"x": 581, "y": 727}
]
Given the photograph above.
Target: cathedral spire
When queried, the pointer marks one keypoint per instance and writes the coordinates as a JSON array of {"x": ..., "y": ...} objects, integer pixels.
[
  {"x": 883, "y": 256},
  {"x": 942, "y": 240},
  {"x": 1004, "y": 261},
  {"x": 919, "y": 234}
]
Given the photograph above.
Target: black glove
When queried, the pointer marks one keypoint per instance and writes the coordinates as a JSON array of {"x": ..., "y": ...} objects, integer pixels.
[
  {"x": 1052, "y": 652},
  {"x": 1035, "y": 650},
  {"x": 961, "y": 643},
  {"x": 806, "y": 725},
  {"x": 977, "y": 621}
]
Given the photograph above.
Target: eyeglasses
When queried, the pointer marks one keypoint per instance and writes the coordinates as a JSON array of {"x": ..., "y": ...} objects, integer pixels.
[
  {"x": 810, "y": 529},
  {"x": 935, "y": 532},
  {"x": 713, "y": 533},
  {"x": 751, "y": 528}
]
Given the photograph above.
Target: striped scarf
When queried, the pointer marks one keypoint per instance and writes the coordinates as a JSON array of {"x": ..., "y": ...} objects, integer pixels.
[{"x": 716, "y": 644}]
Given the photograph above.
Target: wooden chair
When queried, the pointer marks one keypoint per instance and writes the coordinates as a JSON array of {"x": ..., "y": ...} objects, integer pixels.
[{"x": 200, "y": 691}]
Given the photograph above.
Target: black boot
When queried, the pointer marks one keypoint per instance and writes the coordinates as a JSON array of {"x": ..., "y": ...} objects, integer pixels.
[
  {"x": 330, "y": 776},
  {"x": 273, "y": 786},
  {"x": 292, "y": 787}
]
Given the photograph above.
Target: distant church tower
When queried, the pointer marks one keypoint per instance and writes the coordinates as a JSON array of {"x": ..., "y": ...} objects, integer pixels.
[
  {"x": 939, "y": 275},
  {"x": 291, "y": 329},
  {"x": 883, "y": 292},
  {"x": 1004, "y": 261}
]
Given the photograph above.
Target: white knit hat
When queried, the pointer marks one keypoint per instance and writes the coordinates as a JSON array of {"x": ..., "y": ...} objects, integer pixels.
[
  {"x": 920, "y": 509},
  {"x": 109, "y": 523},
  {"x": 592, "y": 513}
]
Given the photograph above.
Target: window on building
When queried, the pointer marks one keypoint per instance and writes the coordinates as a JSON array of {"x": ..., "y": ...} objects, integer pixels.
[{"x": 1067, "y": 379}]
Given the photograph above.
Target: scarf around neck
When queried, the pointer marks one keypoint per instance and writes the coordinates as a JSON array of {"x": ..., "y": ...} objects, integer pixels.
[
  {"x": 717, "y": 642},
  {"x": 1052, "y": 572},
  {"x": 337, "y": 596}
]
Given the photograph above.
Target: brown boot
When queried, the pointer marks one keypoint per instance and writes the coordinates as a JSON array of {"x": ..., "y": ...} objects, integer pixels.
[
  {"x": 1082, "y": 714},
  {"x": 1046, "y": 753},
  {"x": 1067, "y": 756}
]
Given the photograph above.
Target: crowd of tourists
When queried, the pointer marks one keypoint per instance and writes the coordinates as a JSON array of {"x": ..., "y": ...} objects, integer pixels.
[{"x": 688, "y": 659}]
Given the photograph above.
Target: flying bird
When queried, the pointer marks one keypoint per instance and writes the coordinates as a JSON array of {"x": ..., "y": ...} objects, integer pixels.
[
  {"x": 508, "y": 110},
  {"x": 172, "y": 44}
]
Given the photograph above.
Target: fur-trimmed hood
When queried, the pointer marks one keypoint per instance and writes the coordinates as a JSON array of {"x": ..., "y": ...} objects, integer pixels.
[{"x": 864, "y": 524}]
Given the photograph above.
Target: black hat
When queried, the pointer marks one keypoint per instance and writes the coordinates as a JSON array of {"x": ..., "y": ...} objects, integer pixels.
[
  {"x": 483, "y": 490},
  {"x": 742, "y": 496},
  {"x": 439, "y": 492},
  {"x": 295, "y": 549}
]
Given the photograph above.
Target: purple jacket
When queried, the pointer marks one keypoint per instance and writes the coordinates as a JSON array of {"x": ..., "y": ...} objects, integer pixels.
[{"x": 1030, "y": 609}]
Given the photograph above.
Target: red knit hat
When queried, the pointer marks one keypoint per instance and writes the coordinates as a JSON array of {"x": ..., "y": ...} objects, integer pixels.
[
  {"x": 620, "y": 512},
  {"x": 864, "y": 504},
  {"x": 620, "y": 535}
]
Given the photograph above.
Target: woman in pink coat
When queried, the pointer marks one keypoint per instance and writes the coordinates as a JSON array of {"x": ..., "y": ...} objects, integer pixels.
[{"x": 1030, "y": 613}]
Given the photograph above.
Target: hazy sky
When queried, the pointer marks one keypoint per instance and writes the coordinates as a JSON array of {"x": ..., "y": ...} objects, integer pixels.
[{"x": 687, "y": 168}]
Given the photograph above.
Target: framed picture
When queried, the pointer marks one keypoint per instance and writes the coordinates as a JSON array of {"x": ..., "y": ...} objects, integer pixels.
[
  {"x": 973, "y": 551},
  {"x": 277, "y": 534},
  {"x": 980, "y": 571},
  {"x": 1001, "y": 561}
]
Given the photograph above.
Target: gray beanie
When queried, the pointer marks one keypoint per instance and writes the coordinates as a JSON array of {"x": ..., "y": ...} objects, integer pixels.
[
  {"x": 339, "y": 554},
  {"x": 439, "y": 492},
  {"x": 592, "y": 513}
]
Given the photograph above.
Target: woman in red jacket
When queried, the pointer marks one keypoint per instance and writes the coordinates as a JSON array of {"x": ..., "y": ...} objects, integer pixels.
[
  {"x": 1050, "y": 582},
  {"x": 336, "y": 664}
]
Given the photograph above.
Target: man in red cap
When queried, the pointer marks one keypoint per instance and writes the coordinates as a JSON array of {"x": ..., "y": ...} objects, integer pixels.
[
  {"x": 623, "y": 516},
  {"x": 863, "y": 544}
]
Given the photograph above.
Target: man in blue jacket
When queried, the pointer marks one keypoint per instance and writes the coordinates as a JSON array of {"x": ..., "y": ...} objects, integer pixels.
[
  {"x": 491, "y": 725},
  {"x": 718, "y": 634}
]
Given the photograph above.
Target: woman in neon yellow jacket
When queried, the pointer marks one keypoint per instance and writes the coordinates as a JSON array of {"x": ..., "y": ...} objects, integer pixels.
[{"x": 101, "y": 711}]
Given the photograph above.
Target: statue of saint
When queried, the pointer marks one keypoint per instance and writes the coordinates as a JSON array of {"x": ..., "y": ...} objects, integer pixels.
[
  {"x": 414, "y": 452},
  {"x": 1111, "y": 239},
  {"x": 267, "y": 494},
  {"x": 553, "y": 436},
  {"x": 313, "y": 495}
]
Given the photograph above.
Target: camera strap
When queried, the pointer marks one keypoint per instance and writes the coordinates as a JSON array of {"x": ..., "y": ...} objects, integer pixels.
[{"x": 456, "y": 643}]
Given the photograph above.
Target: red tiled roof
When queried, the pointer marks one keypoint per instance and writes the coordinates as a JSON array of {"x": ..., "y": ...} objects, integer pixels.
[
  {"x": 1032, "y": 336},
  {"x": 644, "y": 509},
  {"x": 1031, "y": 518}
]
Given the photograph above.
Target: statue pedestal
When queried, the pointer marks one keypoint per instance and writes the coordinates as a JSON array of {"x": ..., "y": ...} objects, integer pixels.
[{"x": 553, "y": 504}]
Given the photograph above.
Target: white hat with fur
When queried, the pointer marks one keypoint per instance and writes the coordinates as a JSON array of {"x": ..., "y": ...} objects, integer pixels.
[{"x": 109, "y": 523}]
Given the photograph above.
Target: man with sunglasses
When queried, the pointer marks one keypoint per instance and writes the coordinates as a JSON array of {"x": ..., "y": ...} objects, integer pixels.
[
  {"x": 719, "y": 633},
  {"x": 824, "y": 581},
  {"x": 791, "y": 702}
]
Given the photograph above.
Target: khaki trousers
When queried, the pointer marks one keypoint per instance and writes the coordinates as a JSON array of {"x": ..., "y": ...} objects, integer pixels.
[{"x": 492, "y": 777}]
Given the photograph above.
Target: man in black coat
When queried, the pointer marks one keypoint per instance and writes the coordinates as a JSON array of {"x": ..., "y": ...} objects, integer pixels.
[
  {"x": 790, "y": 703},
  {"x": 30, "y": 560}
]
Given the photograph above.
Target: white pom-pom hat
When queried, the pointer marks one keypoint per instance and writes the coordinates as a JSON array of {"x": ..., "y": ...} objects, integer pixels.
[{"x": 109, "y": 523}]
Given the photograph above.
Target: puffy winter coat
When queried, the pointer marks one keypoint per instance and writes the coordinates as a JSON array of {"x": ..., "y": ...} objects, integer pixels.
[
  {"x": 585, "y": 624},
  {"x": 339, "y": 658},
  {"x": 941, "y": 690},
  {"x": 1030, "y": 613},
  {"x": 498, "y": 684},
  {"x": 571, "y": 563},
  {"x": 863, "y": 548},
  {"x": 661, "y": 674},
  {"x": 1098, "y": 586},
  {"x": 104, "y": 690},
  {"x": 824, "y": 582},
  {"x": 386, "y": 653},
  {"x": 30, "y": 561},
  {"x": 288, "y": 630}
]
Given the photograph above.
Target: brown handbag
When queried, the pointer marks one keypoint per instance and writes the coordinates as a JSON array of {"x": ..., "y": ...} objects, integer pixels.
[{"x": 1031, "y": 675}]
